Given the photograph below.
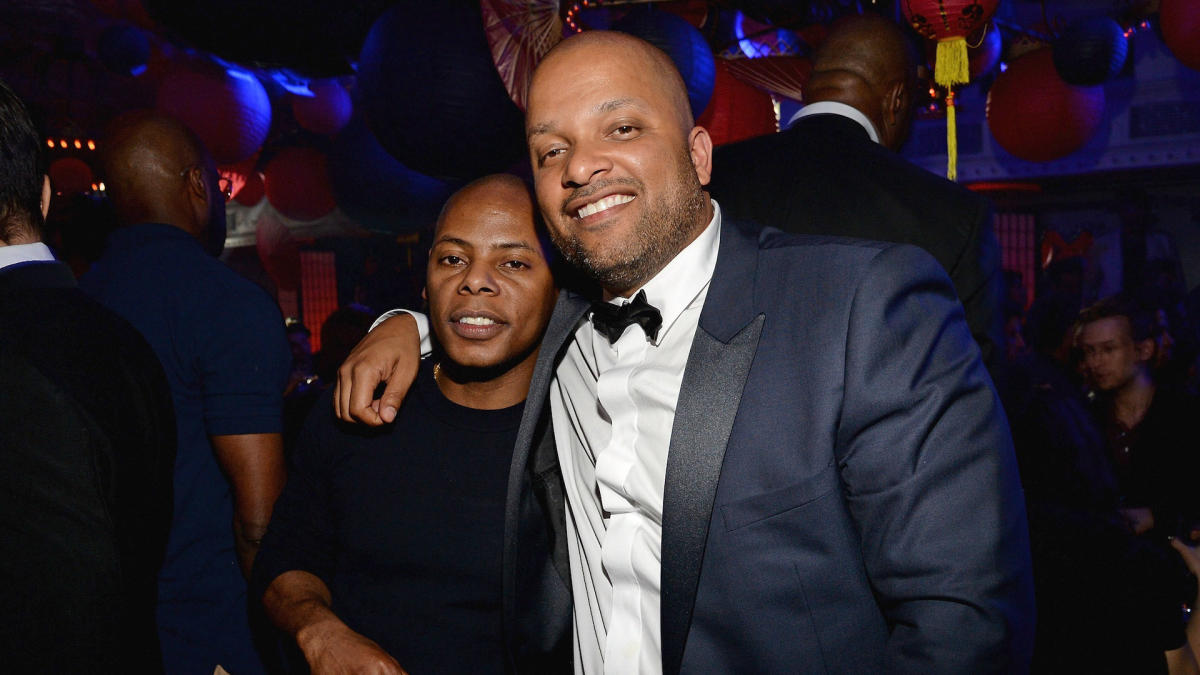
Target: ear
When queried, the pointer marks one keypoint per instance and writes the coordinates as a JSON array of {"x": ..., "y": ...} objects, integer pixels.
[
  {"x": 424, "y": 293},
  {"x": 197, "y": 187},
  {"x": 45, "y": 204},
  {"x": 700, "y": 149},
  {"x": 1145, "y": 349}
]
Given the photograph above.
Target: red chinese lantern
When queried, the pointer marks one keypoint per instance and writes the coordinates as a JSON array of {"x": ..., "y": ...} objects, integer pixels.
[
  {"x": 1180, "y": 21},
  {"x": 227, "y": 108},
  {"x": 70, "y": 175},
  {"x": 737, "y": 111},
  {"x": 1033, "y": 114},
  {"x": 326, "y": 111},
  {"x": 949, "y": 22},
  {"x": 297, "y": 184},
  {"x": 983, "y": 51}
]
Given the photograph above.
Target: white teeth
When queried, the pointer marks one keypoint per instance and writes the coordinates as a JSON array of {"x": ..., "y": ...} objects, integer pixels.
[
  {"x": 603, "y": 204},
  {"x": 477, "y": 320}
]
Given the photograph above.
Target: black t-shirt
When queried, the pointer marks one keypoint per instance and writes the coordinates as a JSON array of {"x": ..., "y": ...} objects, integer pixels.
[{"x": 405, "y": 525}]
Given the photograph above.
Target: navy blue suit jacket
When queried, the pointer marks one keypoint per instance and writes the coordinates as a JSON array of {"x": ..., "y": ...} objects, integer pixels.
[{"x": 841, "y": 491}]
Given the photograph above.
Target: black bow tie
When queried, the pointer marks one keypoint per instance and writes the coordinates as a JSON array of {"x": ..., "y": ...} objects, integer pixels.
[{"x": 611, "y": 320}]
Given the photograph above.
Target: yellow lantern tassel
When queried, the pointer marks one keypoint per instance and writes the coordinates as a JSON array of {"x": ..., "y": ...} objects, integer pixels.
[
  {"x": 951, "y": 139},
  {"x": 952, "y": 66}
]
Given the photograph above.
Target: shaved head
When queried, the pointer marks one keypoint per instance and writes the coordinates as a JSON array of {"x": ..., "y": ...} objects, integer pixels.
[
  {"x": 867, "y": 63},
  {"x": 498, "y": 188},
  {"x": 633, "y": 52},
  {"x": 157, "y": 170}
]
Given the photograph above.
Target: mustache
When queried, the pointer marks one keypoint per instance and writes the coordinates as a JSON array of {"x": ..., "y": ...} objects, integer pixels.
[{"x": 586, "y": 191}]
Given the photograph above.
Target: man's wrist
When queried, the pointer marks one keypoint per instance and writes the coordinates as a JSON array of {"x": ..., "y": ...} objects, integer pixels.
[
  {"x": 422, "y": 322},
  {"x": 318, "y": 633}
]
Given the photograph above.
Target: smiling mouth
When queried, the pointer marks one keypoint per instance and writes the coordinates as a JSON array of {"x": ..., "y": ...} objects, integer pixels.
[
  {"x": 603, "y": 205},
  {"x": 476, "y": 321}
]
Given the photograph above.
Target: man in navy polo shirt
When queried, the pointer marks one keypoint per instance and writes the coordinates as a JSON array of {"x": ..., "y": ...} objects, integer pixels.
[{"x": 221, "y": 341}]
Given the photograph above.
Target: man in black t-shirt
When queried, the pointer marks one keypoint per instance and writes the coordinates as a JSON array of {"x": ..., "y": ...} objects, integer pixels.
[{"x": 391, "y": 547}]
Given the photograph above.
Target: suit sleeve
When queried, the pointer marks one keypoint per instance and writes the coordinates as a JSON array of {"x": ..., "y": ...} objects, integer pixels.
[
  {"x": 931, "y": 478},
  {"x": 978, "y": 280}
]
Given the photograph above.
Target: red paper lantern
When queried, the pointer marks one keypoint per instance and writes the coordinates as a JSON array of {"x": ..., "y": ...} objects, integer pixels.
[
  {"x": 297, "y": 184},
  {"x": 949, "y": 22},
  {"x": 1180, "y": 22},
  {"x": 983, "y": 50},
  {"x": 278, "y": 251},
  {"x": 227, "y": 108},
  {"x": 1033, "y": 114},
  {"x": 737, "y": 111},
  {"x": 326, "y": 111},
  {"x": 70, "y": 175}
]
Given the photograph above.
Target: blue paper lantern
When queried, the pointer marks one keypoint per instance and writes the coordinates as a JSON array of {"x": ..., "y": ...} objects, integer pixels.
[
  {"x": 124, "y": 50},
  {"x": 432, "y": 95},
  {"x": 376, "y": 190},
  {"x": 683, "y": 43},
  {"x": 1090, "y": 51}
]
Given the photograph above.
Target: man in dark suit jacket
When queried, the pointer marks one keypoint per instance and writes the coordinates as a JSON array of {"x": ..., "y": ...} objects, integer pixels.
[
  {"x": 796, "y": 460},
  {"x": 87, "y": 440},
  {"x": 836, "y": 171}
]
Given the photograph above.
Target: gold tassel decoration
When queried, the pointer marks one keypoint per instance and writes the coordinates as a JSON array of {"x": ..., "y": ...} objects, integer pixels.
[
  {"x": 952, "y": 66},
  {"x": 951, "y": 139}
]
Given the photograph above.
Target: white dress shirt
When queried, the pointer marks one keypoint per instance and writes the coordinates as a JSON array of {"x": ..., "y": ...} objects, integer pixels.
[
  {"x": 22, "y": 253},
  {"x": 835, "y": 108},
  {"x": 613, "y": 406}
]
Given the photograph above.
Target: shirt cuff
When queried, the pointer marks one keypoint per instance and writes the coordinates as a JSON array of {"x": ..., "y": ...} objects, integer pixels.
[{"x": 422, "y": 327}]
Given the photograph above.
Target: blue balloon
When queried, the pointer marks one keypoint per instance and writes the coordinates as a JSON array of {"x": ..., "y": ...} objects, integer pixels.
[{"x": 683, "y": 43}]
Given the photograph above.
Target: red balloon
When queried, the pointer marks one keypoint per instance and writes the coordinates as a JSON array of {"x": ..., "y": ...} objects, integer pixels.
[
  {"x": 1036, "y": 116},
  {"x": 942, "y": 19},
  {"x": 1180, "y": 22},
  {"x": 70, "y": 175},
  {"x": 736, "y": 111},
  {"x": 327, "y": 111},
  {"x": 227, "y": 108},
  {"x": 297, "y": 184}
]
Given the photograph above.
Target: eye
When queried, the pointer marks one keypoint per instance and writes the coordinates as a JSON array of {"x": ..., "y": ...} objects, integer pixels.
[
  {"x": 549, "y": 155},
  {"x": 451, "y": 260},
  {"x": 515, "y": 264},
  {"x": 625, "y": 131}
]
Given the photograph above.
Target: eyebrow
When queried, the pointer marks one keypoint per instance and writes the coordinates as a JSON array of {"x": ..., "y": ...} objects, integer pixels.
[
  {"x": 504, "y": 245},
  {"x": 602, "y": 107}
]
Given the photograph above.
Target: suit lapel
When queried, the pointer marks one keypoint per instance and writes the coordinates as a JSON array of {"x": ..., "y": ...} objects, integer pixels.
[
  {"x": 535, "y": 447},
  {"x": 718, "y": 364}
]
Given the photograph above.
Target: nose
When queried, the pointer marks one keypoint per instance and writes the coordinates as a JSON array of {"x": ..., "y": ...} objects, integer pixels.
[
  {"x": 477, "y": 280},
  {"x": 586, "y": 161}
]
